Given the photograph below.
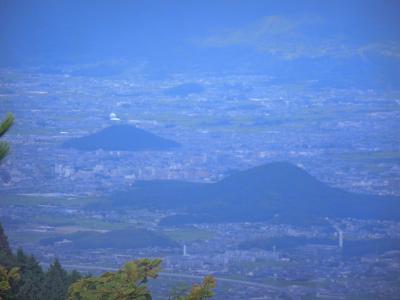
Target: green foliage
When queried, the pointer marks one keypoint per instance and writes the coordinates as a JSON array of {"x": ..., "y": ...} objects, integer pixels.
[
  {"x": 22, "y": 278},
  {"x": 4, "y": 246},
  {"x": 125, "y": 284},
  {"x": 179, "y": 291},
  {"x": 55, "y": 284},
  {"x": 201, "y": 291},
  {"x": 129, "y": 283},
  {"x": 73, "y": 277},
  {"x": 4, "y": 126},
  {"x": 32, "y": 276},
  {"x": 8, "y": 277},
  {"x": 5, "y": 250}
]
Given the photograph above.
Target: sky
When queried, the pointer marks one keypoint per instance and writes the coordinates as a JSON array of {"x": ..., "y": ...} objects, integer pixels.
[{"x": 205, "y": 35}]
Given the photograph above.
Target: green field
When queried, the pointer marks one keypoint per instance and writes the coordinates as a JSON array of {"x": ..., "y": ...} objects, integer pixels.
[{"x": 77, "y": 221}]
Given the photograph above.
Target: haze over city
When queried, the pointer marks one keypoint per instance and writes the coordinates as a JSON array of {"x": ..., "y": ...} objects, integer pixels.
[{"x": 238, "y": 149}]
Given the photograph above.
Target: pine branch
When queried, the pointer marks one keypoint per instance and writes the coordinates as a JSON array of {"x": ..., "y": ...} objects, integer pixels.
[
  {"x": 6, "y": 124},
  {"x": 4, "y": 149}
]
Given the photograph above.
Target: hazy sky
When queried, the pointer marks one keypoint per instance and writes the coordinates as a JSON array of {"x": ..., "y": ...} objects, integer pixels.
[{"x": 202, "y": 32}]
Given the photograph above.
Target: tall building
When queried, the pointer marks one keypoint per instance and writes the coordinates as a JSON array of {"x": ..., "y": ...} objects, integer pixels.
[{"x": 184, "y": 250}]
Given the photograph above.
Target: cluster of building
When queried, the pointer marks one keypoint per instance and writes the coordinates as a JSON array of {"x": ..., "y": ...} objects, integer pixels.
[{"x": 345, "y": 137}]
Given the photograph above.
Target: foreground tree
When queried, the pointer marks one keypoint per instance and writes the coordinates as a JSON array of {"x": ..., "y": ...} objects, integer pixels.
[
  {"x": 129, "y": 283},
  {"x": 4, "y": 127},
  {"x": 31, "y": 283},
  {"x": 6, "y": 257},
  {"x": 125, "y": 284},
  {"x": 55, "y": 284},
  {"x": 9, "y": 273},
  {"x": 8, "y": 277},
  {"x": 201, "y": 291}
]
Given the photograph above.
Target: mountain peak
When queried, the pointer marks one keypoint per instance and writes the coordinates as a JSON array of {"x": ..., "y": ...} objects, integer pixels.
[
  {"x": 276, "y": 176},
  {"x": 121, "y": 138}
]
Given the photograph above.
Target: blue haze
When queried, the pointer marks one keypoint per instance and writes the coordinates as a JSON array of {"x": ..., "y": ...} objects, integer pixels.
[{"x": 266, "y": 144}]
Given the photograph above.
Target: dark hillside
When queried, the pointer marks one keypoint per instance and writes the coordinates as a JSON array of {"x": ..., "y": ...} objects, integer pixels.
[
  {"x": 261, "y": 193},
  {"x": 121, "y": 138}
]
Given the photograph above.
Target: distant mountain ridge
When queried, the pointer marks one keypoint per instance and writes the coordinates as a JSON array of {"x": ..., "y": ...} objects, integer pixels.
[
  {"x": 269, "y": 191},
  {"x": 121, "y": 138}
]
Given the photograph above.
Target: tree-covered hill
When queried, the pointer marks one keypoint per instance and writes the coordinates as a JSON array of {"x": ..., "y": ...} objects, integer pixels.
[{"x": 272, "y": 190}]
